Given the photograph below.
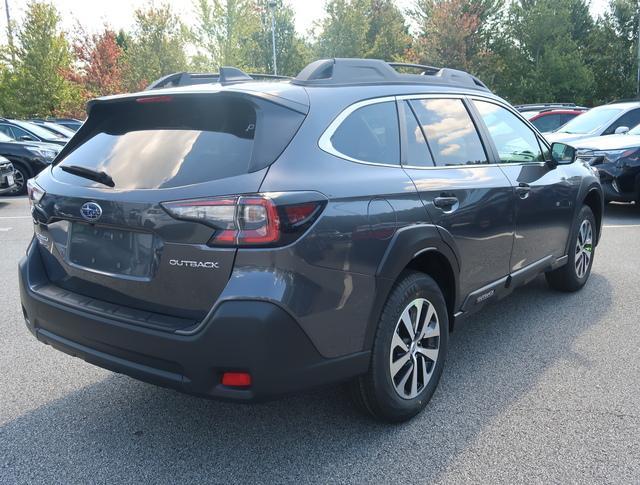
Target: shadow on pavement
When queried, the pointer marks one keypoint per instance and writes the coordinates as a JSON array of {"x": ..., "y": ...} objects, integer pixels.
[{"x": 122, "y": 430}]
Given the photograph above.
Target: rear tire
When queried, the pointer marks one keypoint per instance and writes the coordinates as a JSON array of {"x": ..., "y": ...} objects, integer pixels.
[
  {"x": 573, "y": 275},
  {"x": 409, "y": 351},
  {"x": 21, "y": 176}
]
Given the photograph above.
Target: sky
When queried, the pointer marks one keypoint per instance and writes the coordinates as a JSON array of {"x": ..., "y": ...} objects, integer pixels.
[{"x": 93, "y": 14}]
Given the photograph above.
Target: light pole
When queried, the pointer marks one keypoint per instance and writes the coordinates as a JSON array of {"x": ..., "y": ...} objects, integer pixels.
[{"x": 272, "y": 6}]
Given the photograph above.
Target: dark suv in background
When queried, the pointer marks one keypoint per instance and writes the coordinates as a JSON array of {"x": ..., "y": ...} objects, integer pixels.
[{"x": 242, "y": 239}]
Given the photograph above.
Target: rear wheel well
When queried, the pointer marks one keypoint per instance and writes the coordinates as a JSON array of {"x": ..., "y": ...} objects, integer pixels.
[
  {"x": 437, "y": 266},
  {"x": 594, "y": 201}
]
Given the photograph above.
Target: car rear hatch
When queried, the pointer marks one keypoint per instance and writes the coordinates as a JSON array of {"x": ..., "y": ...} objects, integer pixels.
[{"x": 107, "y": 234}]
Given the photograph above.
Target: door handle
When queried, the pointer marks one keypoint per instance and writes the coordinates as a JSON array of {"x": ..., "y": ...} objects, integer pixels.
[
  {"x": 445, "y": 202},
  {"x": 523, "y": 190}
]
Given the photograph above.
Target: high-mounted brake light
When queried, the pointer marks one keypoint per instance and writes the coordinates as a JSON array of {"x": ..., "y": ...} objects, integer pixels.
[
  {"x": 254, "y": 220},
  {"x": 154, "y": 99}
]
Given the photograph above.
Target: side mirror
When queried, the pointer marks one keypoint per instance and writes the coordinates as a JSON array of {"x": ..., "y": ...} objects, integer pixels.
[
  {"x": 26, "y": 138},
  {"x": 621, "y": 130},
  {"x": 561, "y": 154}
]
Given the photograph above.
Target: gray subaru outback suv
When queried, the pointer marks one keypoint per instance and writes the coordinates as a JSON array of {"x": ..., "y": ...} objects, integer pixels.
[{"x": 240, "y": 239}]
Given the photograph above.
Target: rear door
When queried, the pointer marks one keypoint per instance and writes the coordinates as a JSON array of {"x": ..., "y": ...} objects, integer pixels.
[
  {"x": 544, "y": 196},
  {"x": 118, "y": 244},
  {"x": 468, "y": 198}
]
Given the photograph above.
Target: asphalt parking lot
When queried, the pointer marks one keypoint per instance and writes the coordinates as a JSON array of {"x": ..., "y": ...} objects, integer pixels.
[{"x": 542, "y": 387}]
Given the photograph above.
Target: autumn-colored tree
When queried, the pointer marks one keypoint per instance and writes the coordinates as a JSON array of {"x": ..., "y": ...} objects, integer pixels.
[{"x": 100, "y": 62}]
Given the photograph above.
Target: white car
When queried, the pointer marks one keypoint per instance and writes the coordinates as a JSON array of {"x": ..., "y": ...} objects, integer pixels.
[{"x": 608, "y": 119}]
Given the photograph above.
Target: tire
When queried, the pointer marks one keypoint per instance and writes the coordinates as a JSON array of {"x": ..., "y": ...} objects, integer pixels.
[
  {"x": 21, "y": 176},
  {"x": 573, "y": 275},
  {"x": 380, "y": 392}
]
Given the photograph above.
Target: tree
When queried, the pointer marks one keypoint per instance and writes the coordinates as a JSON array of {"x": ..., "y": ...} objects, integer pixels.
[
  {"x": 225, "y": 33},
  {"x": 612, "y": 52},
  {"x": 156, "y": 46},
  {"x": 292, "y": 52},
  {"x": 456, "y": 33},
  {"x": 101, "y": 64},
  {"x": 363, "y": 28},
  {"x": 540, "y": 59},
  {"x": 35, "y": 85}
]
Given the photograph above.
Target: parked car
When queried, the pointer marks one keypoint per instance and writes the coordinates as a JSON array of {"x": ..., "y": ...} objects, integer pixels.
[
  {"x": 55, "y": 128},
  {"x": 26, "y": 131},
  {"x": 531, "y": 110},
  {"x": 27, "y": 158},
  {"x": 617, "y": 159},
  {"x": 7, "y": 176},
  {"x": 547, "y": 121},
  {"x": 609, "y": 119},
  {"x": 241, "y": 240},
  {"x": 71, "y": 123}
]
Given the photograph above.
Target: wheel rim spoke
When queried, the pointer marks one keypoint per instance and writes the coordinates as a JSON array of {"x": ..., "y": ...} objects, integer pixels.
[
  {"x": 414, "y": 348},
  {"x": 583, "y": 248}
]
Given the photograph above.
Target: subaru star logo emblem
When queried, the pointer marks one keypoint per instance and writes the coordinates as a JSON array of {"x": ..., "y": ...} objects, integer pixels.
[{"x": 91, "y": 211}]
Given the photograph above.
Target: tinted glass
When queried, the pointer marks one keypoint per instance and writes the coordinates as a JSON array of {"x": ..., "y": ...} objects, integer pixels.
[
  {"x": 370, "y": 134},
  {"x": 515, "y": 141},
  {"x": 451, "y": 134},
  {"x": 418, "y": 154},
  {"x": 36, "y": 130},
  {"x": 6, "y": 130},
  {"x": 181, "y": 142},
  {"x": 591, "y": 121},
  {"x": 4, "y": 138},
  {"x": 630, "y": 119},
  {"x": 551, "y": 122}
]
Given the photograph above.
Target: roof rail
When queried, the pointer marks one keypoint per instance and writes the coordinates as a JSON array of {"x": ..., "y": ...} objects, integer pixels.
[
  {"x": 227, "y": 75},
  {"x": 341, "y": 72},
  {"x": 625, "y": 100}
]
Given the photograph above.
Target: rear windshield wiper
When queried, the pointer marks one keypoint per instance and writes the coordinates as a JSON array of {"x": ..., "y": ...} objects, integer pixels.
[{"x": 100, "y": 177}]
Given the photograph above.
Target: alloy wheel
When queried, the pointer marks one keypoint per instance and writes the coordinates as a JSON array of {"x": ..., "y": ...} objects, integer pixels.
[
  {"x": 414, "y": 348},
  {"x": 584, "y": 248},
  {"x": 18, "y": 179}
]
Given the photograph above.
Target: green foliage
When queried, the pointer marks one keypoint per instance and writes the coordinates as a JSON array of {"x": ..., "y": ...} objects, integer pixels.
[
  {"x": 363, "y": 28},
  {"x": 524, "y": 50},
  {"x": 156, "y": 46},
  {"x": 35, "y": 85}
]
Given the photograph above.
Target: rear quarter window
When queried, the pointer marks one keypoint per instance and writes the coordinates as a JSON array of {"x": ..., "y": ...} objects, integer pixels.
[{"x": 370, "y": 134}]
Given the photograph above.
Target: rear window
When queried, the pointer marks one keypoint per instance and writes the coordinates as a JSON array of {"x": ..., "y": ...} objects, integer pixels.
[{"x": 182, "y": 140}]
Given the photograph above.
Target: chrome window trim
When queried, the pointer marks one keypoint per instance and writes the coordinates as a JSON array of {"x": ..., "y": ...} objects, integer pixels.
[{"x": 324, "y": 143}]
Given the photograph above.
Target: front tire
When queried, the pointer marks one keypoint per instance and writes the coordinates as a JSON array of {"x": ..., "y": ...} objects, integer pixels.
[
  {"x": 21, "y": 175},
  {"x": 409, "y": 351},
  {"x": 573, "y": 275}
]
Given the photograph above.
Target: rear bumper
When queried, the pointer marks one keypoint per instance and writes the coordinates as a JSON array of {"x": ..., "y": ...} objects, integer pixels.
[{"x": 252, "y": 336}]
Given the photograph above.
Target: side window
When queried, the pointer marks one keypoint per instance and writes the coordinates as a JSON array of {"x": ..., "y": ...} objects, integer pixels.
[
  {"x": 418, "y": 154},
  {"x": 629, "y": 119},
  {"x": 451, "y": 134},
  {"x": 6, "y": 129},
  {"x": 370, "y": 134},
  {"x": 18, "y": 132},
  {"x": 551, "y": 122},
  {"x": 514, "y": 140}
]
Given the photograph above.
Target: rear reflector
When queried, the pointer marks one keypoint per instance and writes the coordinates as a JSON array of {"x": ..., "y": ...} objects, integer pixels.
[{"x": 236, "y": 379}]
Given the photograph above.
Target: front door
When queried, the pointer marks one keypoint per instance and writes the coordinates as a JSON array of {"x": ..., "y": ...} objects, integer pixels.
[{"x": 543, "y": 203}]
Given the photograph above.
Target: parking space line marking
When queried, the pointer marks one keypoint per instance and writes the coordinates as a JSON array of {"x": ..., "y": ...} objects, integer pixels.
[
  {"x": 15, "y": 217},
  {"x": 622, "y": 225}
]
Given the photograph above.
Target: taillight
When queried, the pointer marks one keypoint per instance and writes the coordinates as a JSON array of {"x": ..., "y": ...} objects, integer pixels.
[
  {"x": 255, "y": 220},
  {"x": 34, "y": 192}
]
